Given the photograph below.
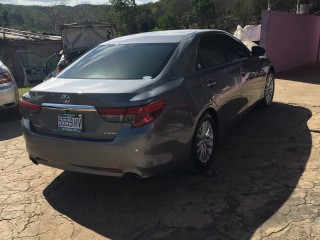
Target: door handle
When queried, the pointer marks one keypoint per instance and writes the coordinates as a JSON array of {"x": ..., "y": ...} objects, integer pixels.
[{"x": 211, "y": 83}]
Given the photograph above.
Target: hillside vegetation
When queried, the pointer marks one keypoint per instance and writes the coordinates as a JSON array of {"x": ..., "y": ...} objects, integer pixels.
[{"x": 131, "y": 18}]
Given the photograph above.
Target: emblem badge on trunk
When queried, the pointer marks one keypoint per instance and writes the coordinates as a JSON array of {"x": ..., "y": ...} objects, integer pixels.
[{"x": 65, "y": 98}]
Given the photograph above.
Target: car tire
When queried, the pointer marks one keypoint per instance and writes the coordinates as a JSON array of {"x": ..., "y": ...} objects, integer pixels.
[
  {"x": 268, "y": 90},
  {"x": 203, "y": 144}
]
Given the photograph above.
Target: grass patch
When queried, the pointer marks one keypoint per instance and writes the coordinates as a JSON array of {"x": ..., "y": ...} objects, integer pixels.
[{"x": 23, "y": 90}]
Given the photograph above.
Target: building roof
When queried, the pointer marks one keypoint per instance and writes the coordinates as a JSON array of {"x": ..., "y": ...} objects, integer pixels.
[{"x": 17, "y": 35}]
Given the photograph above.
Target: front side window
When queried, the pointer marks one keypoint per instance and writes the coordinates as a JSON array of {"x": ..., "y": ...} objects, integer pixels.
[
  {"x": 123, "y": 61},
  {"x": 220, "y": 49},
  {"x": 233, "y": 49}
]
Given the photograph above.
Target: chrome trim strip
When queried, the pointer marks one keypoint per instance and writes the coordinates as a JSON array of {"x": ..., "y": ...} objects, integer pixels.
[{"x": 56, "y": 106}]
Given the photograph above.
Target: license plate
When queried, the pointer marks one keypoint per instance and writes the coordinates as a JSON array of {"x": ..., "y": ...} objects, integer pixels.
[{"x": 70, "y": 122}]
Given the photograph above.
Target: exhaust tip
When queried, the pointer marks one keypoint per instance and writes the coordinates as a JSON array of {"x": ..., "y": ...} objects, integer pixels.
[
  {"x": 33, "y": 160},
  {"x": 132, "y": 176}
]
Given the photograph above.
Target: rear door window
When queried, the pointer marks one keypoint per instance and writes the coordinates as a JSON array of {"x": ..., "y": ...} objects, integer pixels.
[
  {"x": 210, "y": 54},
  {"x": 30, "y": 59},
  {"x": 186, "y": 63}
]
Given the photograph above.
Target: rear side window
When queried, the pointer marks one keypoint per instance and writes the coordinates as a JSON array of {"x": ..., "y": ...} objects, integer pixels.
[
  {"x": 210, "y": 54},
  {"x": 186, "y": 63},
  {"x": 123, "y": 61}
]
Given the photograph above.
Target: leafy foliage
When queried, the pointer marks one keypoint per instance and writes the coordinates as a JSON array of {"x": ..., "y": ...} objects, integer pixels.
[
  {"x": 129, "y": 17},
  {"x": 203, "y": 12}
]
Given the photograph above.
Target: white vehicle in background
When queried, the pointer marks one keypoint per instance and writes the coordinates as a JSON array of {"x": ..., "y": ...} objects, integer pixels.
[{"x": 9, "y": 96}]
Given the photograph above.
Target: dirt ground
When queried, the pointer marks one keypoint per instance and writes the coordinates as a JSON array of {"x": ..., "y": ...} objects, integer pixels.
[{"x": 264, "y": 184}]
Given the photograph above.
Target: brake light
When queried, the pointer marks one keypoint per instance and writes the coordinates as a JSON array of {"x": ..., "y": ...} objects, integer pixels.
[
  {"x": 5, "y": 78},
  {"x": 29, "y": 106},
  {"x": 137, "y": 116}
]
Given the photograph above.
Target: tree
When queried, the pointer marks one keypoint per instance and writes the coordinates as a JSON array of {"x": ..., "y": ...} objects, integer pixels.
[
  {"x": 131, "y": 18},
  {"x": 5, "y": 18},
  {"x": 203, "y": 12},
  {"x": 1, "y": 10},
  {"x": 167, "y": 22},
  {"x": 124, "y": 13},
  {"x": 179, "y": 10},
  {"x": 223, "y": 13},
  {"x": 284, "y": 5},
  {"x": 16, "y": 21},
  {"x": 145, "y": 19}
]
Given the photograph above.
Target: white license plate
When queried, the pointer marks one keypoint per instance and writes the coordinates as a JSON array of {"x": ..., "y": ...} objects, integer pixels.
[{"x": 70, "y": 122}]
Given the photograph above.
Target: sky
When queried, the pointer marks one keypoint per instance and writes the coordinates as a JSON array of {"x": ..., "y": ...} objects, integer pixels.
[{"x": 68, "y": 2}]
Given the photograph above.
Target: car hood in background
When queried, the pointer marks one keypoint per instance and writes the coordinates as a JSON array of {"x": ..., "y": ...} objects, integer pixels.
[{"x": 82, "y": 37}]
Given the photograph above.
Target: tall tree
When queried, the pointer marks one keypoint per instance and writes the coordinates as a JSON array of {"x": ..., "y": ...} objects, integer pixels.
[
  {"x": 223, "y": 11},
  {"x": 1, "y": 10},
  {"x": 167, "y": 22},
  {"x": 16, "y": 21},
  {"x": 203, "y": 12},
  {"x": 5, "y": 18},
  {"x": 123, "y": 13},
  {"x": 145, "y": 19}
]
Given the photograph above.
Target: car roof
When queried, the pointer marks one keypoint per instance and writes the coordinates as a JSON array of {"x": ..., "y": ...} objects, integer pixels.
[{"x": 170, "y": 36}]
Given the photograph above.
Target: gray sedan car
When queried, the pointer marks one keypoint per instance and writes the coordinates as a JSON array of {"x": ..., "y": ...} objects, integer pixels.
[
  {"x": 146, "y": 103},
  {"x": 9, "y": 97}
]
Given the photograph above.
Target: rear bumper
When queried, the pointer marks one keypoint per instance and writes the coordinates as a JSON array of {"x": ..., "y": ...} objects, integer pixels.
[
  {"x": 9, "y": 96},
  {"x": 145, "y": 154}
]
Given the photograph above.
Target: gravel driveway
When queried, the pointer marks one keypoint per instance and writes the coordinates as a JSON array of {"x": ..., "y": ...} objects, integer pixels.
[{"x": 264, "y": 184}]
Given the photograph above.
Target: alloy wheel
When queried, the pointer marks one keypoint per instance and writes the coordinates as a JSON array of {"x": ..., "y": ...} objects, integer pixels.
[
  {"x": 269, "y": 89},
  {"x": 205, "y": 142}
]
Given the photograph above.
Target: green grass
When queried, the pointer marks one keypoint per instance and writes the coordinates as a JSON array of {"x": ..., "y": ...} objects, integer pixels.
[{"x": 23, "y": 90}]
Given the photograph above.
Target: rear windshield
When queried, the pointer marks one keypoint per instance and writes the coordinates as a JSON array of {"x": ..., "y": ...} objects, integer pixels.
[{"x": 124, "y": 61}]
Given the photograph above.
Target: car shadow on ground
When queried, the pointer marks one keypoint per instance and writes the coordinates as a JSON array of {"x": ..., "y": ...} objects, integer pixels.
[
  {"x": 257, "y": 167},
  {"x": 10, "y": 125},
  {"x": 307, "y": 74}
]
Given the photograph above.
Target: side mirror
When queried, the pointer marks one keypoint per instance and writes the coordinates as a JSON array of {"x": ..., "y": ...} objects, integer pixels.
[{"x": 258, "y": 51}]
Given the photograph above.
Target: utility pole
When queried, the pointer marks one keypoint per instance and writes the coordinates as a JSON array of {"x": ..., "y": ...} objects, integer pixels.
[
  {"x": 298, "y": 6},
  {"x": 269, "y": 7}
]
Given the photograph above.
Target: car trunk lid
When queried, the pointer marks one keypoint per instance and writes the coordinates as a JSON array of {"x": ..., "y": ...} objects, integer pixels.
[{"x": 71, "y": 107}]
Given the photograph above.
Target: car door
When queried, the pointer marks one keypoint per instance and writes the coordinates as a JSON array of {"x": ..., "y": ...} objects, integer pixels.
[
  {"x": 249, "y": 69},
  {"x": 220, "y": 77},
  {"x": 51, "y": 64},
  {"x": 33, "y": 65}
]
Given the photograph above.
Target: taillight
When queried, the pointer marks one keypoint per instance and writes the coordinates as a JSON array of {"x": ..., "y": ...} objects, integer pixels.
[
  {"x": 145, "y": 114},
  {"x": 5, "y": 78},
  {"x": 137, "y": 116},
  {"x": 112, "y": 114},
  {"x": 25, "y": 105}
]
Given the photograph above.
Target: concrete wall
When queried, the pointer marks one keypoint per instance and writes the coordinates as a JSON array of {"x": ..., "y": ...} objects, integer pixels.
[
  {"x": 290, "y": 39},
  {"x": 9, "y": 56}
]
